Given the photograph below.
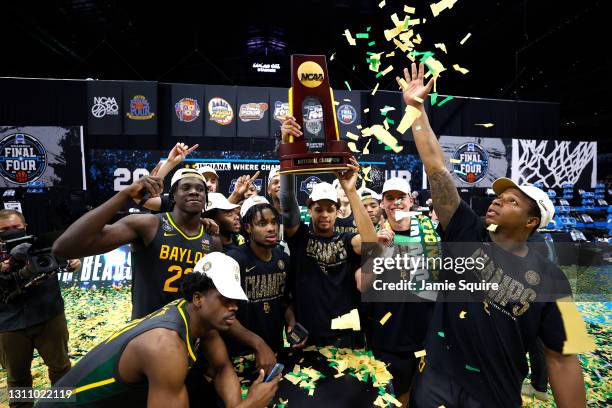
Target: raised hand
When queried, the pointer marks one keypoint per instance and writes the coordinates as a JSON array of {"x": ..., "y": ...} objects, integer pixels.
[
  {"x": 348, "y": 178},
  {"x": 290, "y": 128},
  {"x": 243, "y": 182},
  {"x": 416, "y": 87},
  {"x": 179, "y": 152},
  {"x": 151, "y": 185}
]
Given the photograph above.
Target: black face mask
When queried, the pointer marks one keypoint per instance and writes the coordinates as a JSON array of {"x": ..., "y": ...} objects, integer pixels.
[{"x": 12, "y": 233}]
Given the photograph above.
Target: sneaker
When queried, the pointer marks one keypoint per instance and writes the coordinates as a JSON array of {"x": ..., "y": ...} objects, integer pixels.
[{"x": 528, "y": 390}]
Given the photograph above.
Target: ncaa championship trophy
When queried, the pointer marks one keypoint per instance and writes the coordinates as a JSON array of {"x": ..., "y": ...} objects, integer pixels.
[{"x": 311, "y": 102}]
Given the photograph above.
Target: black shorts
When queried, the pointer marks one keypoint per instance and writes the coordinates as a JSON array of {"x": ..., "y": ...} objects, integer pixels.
[
  {"x": 433, "y": 388},
  {"x": 401, "y": 366}
]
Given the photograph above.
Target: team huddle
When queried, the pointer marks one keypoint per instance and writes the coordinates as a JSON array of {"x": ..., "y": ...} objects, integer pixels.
[{"x": 218, "y": 277}]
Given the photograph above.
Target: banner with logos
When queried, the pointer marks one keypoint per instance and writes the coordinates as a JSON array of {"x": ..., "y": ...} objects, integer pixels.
[
  {"x": 140, "y": 108},
  {"x": 37, "y": 157},
  {"x": 253, "y": 111},
  {"x": 113, "y": 170},
  {"x": 186, "y": 110},
  {"x": 221, "y": 111},
  {"x": 104, "y": 104},
  {"x": 348, "y": 113},
  {"x": 113, "y": 268},
  {"x": 279, "y": 107}
]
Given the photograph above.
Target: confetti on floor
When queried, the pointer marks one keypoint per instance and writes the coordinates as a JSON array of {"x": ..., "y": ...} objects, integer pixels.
[
  {"x": 347, "y": 321},
  {"x": 486, "y": 125}
]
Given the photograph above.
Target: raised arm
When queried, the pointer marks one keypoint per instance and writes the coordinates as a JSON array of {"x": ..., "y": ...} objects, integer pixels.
[
  {"x": 288, "y": 201},
  {"x": 443, "y": 192},
  {"x": 241, "y": 187},
  {"x": 90, "y": 234}
]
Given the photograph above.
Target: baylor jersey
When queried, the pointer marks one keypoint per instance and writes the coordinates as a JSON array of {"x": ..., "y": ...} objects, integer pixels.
[
  {"x": 158, "y": 269},
  {"x": 95, "y": 377}
]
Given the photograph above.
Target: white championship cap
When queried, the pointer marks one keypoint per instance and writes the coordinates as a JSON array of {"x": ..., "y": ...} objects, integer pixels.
[
  {"x": 396, "y": 184},
  {"x": 323, "y": 191},
  {"x": 224, "y": 272},
  {"x": 250, "y": 202},
  {"x": 218, "y": 201},
  {"x": 184, "y": 173},
  {"x": 272, "y": 174},
  {"x": 366, "y": 194},
  {"x": 546, "y": 206},
  {"x": 207, "y": 170}
]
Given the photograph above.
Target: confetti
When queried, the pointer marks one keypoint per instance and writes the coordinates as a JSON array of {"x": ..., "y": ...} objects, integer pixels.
[
  {"x": 381, "y": 4},
  {"x": 441, "y": 46},
  {"x": 390, "y": 398},
  {"x": 385, "y": 137},
  {"x": 410, "y": 115},
  {"x": 336, "y": 103},
  {"x": 464, "y": 71},
  {"x": 371, "y": 43},
  {"x": 386, "y": 109},
  {"x": 362, "y": 35},
  {"x": 353, "y": 147},
  {"x": 437, "y": 8},
  {"x": 470, "y": 368},
  {"x": 366, "y": 110},
  {"x": 392, "y": 33},
  {"x": 347, "y": 321},
  {"x": 448, "y": 98},
  {"x": 487, "y": 125},
  {"x": 577, "y": 338},
  {"x": 352, "y": 136},
  {"x": 385, "y": 124},
  {"x": 385, "y": 72},
  {"x": 409, "y": 10},
  {"x": 346, "y": 100},
  {"x": 349, "y": 37},
  {"x": 434, "y": 97},
  {"x": 460, "y": 172},
  {"x": 441, "y": 334},
  {"x": 403, "y": 84},
  {"x": 367, "y": 151},
  {"x": 419, "y": 100},
  {"x": 462, "y": 314},
  {"x": 434, "y": 66},
  {"x": 420, "y": 353},
  {"x": 375, "y": 89},
  {"x": 492, "y": 227},
  {"x": 331, "y": 58},
  {"x": 468, "y": 35},
  {"x": 391, "y": 54}
]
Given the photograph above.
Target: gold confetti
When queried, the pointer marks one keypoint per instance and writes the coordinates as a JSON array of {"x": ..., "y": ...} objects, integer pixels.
[
  {"x": 420, "y": 353},
  {"x": 434, "y": 66},
  {"x": 386, "y": 110},
  {"x": 346, "y": 100},
  {"x": 403, "y": 84},
  {"x": 391, "y": 54},
  {"x": 441, "y": 46},
  {"x": 366, "y": 170},
  {"x": 338, "y": 375},
  {"x": 336, "y": 103},
  {"x": 311, "y": 392},
  {"x": 375, "y": 88},
  {"x": 353, "y": 147},
  {"x": 366, "y": 110},
  {"x": 455, "y": 161},
  {"x": 381, "y": 4},
  {"x": 386, "y": 71},
  {"x": 385, "y": 137},
  {"x": 331, "y": 58},
  {"x": 409, "y": 10},
  {"x": 403, "y": 47},
  {"x": 462, "y": 314},
  {"x": 492, "y": 227},
  {"x": 410, "y": 115},
  {"x": 347, "y": 321},
  {"x": 358, "y": 126},
  {"x": 437, "y": 8},
  {"x": 386, "y": 124},
  {"x": 462, "y": 70},
  {"x": 487, "y": 125},
  {"x": 352, "y": 136},
  {"x": 366, "y": 150},
  {"x": 349, "y": 37},
  {"x": 577, "y": 340},
  {"x": 468, "y": 35},
  {"x": 418, "y": 39},
  {"x": 390, "y": 398},
  {"x": 419, "y": 100}
]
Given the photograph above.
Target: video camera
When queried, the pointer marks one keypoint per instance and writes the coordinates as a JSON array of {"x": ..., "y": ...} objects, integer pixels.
[{"x": 29, "y": 261}]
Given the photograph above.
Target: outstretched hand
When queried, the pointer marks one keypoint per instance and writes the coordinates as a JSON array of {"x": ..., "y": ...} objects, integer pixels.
[
  {"x": 416, "y": 87},
  {"x": 243, "y": 183},
  {"x": 179, "y": 152}
]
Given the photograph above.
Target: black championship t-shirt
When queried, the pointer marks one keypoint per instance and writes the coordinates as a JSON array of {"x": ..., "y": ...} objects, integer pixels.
[
  {"x": 324, "y": 285},
  {"x": 482, "y": 344},
  {"x": 265, "y": 285},
  {"x": 406, "y": 329},
  {"x": 346, "y": 225}
]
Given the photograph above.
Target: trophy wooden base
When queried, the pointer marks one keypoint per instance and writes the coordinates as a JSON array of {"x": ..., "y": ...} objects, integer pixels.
[{"x": 295, "y": 158}]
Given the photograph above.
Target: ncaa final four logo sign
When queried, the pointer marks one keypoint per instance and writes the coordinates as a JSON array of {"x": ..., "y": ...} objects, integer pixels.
[
  {"x": 470, "y": 163},
  {"x": 23, "y": 158}
]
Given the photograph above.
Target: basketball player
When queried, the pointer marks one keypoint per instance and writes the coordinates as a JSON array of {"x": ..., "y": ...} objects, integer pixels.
[{"x": 345, "y": 222}]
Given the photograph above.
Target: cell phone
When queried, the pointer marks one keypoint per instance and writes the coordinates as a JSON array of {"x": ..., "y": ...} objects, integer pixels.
[
  {"x": 297, "y": 335},
  {"x": 276, "y": 370}
]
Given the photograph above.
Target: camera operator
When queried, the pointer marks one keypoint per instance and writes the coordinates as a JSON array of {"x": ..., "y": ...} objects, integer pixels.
[{"x": 33, "y": 319}]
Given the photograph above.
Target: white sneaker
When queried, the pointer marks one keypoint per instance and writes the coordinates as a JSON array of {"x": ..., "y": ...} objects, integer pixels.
[{"x": 528, "y": 390}]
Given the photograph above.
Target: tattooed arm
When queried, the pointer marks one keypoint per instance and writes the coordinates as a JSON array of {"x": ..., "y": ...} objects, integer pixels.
[{"x": 443, "y": 192}]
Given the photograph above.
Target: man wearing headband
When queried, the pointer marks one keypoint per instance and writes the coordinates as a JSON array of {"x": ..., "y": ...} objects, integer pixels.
[
  {"x": 145, "y": 363},
  {"x": 165, "y": 247},
  {"x": 475, "y": 351}
]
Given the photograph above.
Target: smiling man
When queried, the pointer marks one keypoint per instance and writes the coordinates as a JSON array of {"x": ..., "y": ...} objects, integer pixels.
[
  {"x": 165, "y": 247},
  {"x": 476, "y": 347},
  {"x": 144, "y": 364}
]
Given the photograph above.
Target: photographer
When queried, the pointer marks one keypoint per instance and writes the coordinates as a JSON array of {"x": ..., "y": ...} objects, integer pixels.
[{"x": 34, "y": 319}]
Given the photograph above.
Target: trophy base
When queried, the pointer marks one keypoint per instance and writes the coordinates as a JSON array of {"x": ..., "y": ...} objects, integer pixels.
[{"x": 295, "y": 159}]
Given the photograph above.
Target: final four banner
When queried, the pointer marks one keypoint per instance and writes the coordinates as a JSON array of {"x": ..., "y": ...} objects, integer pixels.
[
  {"x": 42, "y": 157},
  {"x": 253, "y": 111},
  {"x": 187, "y": 110},
  {"x": 348, "y": 112},
  {"x": 114, "y": 170},
  {"x": 279, "y": 107},
  {"x": 140, "y": 108}
]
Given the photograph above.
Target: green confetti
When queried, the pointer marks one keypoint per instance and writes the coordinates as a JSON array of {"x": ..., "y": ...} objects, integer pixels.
[
  {"x": 448, "y": 98},
  {"x": 470, "y": 368},
  {"x": 368, "y": 29},
  {"x": 347, "y": 85},
  {"x": 406, "y": 23},
  {"x": 387, "y": 148},
  {"x": 434, "y": 98},
  {"x": 390, "y": 121},
  {"x": 371, "y": 43},
  {"x": 460, "y": 172},
  {"x": 353, "y": 67},
  {"x": 441, "y": 334},
  {"x": 362, "y": 35}
]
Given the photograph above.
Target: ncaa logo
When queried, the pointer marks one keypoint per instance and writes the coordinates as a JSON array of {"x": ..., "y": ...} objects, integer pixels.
[
  {"x": 307, "y": 185},
  {"x": 346, "y": 114},
  {"x": 471, "y": 163},
  {"x": 23, "y": 158},
  {"x": 104, "y": 105}
]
